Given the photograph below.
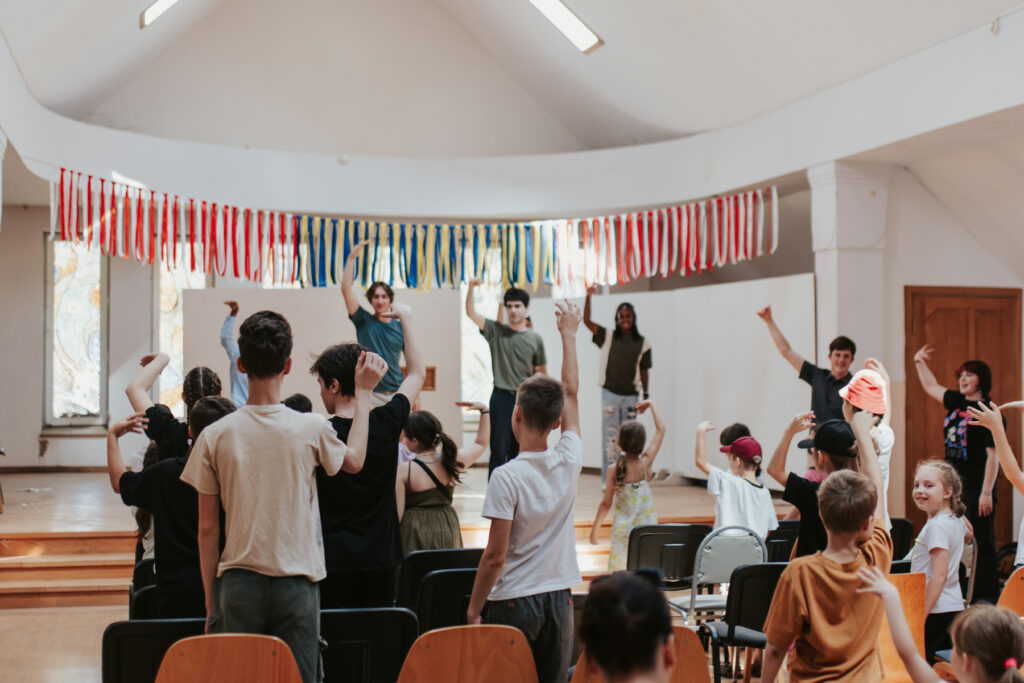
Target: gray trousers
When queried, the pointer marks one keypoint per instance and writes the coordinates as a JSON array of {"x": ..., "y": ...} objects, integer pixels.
[
  {"x": 615, "y": 409},
  {"x": 546, "y": 621},
  {"x": 284, "y": 606}
]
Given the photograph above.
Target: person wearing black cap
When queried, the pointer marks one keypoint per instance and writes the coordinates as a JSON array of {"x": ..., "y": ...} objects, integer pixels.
[{"x": 834, "y": 448}]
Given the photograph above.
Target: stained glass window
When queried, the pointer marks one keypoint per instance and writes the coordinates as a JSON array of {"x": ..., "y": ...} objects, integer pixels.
[
  {"x": 77, "y": 335},
  {"x": 171, "y": 332}
]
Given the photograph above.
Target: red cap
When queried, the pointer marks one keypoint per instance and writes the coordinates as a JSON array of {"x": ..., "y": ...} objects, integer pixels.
[
  {"x": 745, "y": 448},
  {"x": 866, "y": 391}
]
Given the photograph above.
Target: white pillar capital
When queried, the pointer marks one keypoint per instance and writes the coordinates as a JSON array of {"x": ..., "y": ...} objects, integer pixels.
[{"x": 848, "y": 205}]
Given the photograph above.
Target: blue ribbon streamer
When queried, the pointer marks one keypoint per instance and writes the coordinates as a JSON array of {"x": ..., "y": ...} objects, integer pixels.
[
  {"x": 529, "y": 253},
  {"x": 334, "y": 246},
  {"x": 376, "y": 239},
  {"x": 391, "y": 251}
]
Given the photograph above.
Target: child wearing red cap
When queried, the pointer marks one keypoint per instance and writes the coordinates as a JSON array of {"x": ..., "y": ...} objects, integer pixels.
[
  {"x": 868, "y": 391},
  {"x": 740, "y": 499},
  {"x": 630, "y": 489}
]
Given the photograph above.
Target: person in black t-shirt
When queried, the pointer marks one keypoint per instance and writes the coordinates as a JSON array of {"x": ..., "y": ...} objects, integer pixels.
[
  {"x": 170, "y": 433},
  {"x": 826, "y": 404},
  {"x": 358, "y": 512},
  {"x": 835, "y": 448},
  {"x": 971, "y": 450},
  {"x": 174, "y": 507}
]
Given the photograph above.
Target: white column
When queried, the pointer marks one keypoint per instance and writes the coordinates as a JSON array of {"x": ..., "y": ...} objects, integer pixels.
[
  {"x": 848, "y": 216},
  {"x": 3, "y": 151}
]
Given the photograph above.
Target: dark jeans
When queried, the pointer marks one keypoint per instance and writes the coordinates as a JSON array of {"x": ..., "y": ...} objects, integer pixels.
[
  {"x": 986, "y": 586},
  {"x": 936, "y": 633},
  {"x": 546, "y": 621},
  {"x": 284, "y": 606},
  {"x": 349, "y": 590},
  {"x": 504, "y": 446}
]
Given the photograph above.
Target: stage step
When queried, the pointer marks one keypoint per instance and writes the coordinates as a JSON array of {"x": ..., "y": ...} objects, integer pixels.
[
  {"x": 67, "y": 543},
  {"x": 64, "y": 593},
  {"x": 78, "y": 566}
]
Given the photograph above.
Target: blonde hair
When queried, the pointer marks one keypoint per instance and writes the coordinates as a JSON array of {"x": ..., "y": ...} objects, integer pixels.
[
  {"x": 994, "y": 636},
  {"x": 950, "y": 480}
]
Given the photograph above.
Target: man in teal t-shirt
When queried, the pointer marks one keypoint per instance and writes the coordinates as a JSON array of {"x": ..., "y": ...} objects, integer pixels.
[
  {"x": 516, "y": 353},
  {"x": 381, "y": 335}
]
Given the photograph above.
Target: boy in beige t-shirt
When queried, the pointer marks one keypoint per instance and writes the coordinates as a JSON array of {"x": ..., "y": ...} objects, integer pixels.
[
  {"x": 816, "y": 603},
  {"x": 260, "y": 464}
]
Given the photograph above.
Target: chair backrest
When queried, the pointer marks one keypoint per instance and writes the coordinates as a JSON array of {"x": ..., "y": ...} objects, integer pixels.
[
  {"x": 1012, "y": 596},
  {"x": 970, "y": 561},
  {"x": 899, "y": 567},
  {"x": 578, "y": 601},
  {"x": 418, "y": 563},
  {"x": 133, "y": 650},
  {"x": 722, "y": 551},
  {"x": 668, "y": 547},
  {"x": 780, "y": 542},
  {"x": 902, "y": 537},
  {"x": 751, "y": 588},
  {"x": 689, "y": 668},
  {"x": 143, "y": 575},
  {"x": 911, "y": 589},
  {"x": 143, "y": 604},
  {"x": 366, "y": 645},
  {"x": 469, "y": 654},
  {"x": 229, "y": 658},
  {"x": 444, "y": 598}
]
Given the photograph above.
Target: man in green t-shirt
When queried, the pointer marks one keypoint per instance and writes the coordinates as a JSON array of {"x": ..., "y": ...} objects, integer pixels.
[
  {"x": 625, "y": 362},
  {"x": 516, "y": 353}
]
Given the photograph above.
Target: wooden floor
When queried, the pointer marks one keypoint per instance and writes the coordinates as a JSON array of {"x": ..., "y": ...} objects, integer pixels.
[{"x": 54, "y": 510}]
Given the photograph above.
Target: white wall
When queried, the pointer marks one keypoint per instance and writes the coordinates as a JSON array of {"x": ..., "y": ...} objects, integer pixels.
[
  {"x": 318, "y": 320},
  {"x": 712, "y": 359}
]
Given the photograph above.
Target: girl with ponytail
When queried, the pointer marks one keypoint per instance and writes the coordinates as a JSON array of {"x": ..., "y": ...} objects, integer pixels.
[
  {"x": 170, "y": 433},
  {"x": 424, "y": 486},
  {"x": 937, "y": 550},
  {"x": 988, "y": 641}
]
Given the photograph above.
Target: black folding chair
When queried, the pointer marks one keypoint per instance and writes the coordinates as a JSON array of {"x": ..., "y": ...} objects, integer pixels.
[
  {"x": 780, "y": 541},
  {"x": 902, "y": 537},
  {"x": 751, "y": 588},
  {"x": 900, "y": 567},
  {"x": 419, "y": 563},
  {"x": 133, "y": 650},
  {"x": 143, "y": 604},
  {"x": 143, "y": 575},
  {"x": 668, "y": 547},
  {"x": 366, "y": 645},
  {"x": 444, "y": 598}
]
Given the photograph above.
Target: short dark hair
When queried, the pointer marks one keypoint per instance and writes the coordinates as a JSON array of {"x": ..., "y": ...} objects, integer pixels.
[
  {"x": 387, "y": 290},
  {"x": 516, "y": 294},
  {"x": 736, "y": 430},
  {"x": 339, "y": 362},
  {"x": 842, "y": 343},
  {"x": 264, "y": 344},
  {"x": 541, "y": 399},
  {"x": 206, "y": 411},
  {"x": 300, "y": 403},
  {"x": 984, "y": 373},
  {"x": 625, "y": 620},
  {"x": 845, "y": 501}
]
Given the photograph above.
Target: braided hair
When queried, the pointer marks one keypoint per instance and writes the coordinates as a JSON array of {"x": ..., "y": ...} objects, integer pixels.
[{"x": 200, "y": 381}]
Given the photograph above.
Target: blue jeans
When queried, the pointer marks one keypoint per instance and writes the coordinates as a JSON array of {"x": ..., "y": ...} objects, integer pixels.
[
  {"x": 546, "y": 621},
  {"x": 284, "y": 606},
  {"x": 615, "y": 409},
  {"x": 504, "y": 446}
]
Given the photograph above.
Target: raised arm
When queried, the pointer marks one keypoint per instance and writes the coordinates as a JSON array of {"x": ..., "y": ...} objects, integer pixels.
[
  {"x": 348, "y": 277},
  {"x": 791, "y": 356},
  {"x": 470, "y": 454},
  {"x": 568, "y": 318},
  {"x": 876, "y": 365},
  {"x": 989, "y": 416},
  {"x": 700, "y": 456},
  {"x": 776, "y": 468},
  {"x": 138, "y": 389},
  {"x": 862, "y": 421},
  {"x": 415, "y": 368},
  {"x": 930, "y": 385},
  {"x": 478, "y": 319},
  {"x": 369, "y": 370},
  {"x": 591, "y": 325},
  {"x": 654, "y": 445},
  {"x": 227, "y": 337},
  {"x": 876, "y": 584},
  {"x": 115, "y": 464}
]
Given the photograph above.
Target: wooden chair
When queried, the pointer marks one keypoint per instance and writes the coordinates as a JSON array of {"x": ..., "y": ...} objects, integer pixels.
[
  {"x": 468, "y": 654},
  {"x": 1012, "y": 597},
  {"x": 691, "y": 661},
  {"x": 911, "y": 588},
  {"x": 228, "y": 657}
]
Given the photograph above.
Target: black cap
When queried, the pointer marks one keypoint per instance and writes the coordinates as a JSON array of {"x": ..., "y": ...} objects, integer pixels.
[
  {"x": 834, "y": 437},
  {"x": 806, "y": 444}
]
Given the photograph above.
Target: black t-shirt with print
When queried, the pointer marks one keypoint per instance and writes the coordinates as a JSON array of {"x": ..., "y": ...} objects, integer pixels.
[
  {"x": 170, "y": 433},
  {"x": 803, "y": 494},
  {"x": 966, "y": 446},
  {"x": 358, "y": 511}
]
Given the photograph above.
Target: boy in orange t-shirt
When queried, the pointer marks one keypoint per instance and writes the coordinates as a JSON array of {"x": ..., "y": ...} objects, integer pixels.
[{"x": 816, "y": 604}]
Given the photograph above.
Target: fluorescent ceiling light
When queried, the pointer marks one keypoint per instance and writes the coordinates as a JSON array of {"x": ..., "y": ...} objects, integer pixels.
[
  {"x": 154, "y": 11},
  {"x": 569, "y": 24}
]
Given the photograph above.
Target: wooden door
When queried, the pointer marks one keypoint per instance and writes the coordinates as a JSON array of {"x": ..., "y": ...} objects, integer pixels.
[{"x": 962, "y": 323}]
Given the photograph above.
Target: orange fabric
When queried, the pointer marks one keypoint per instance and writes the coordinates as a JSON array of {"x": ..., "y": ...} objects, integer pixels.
[
  {"x": 835, "y": 628},
  {"x": 866, "y": 391}
]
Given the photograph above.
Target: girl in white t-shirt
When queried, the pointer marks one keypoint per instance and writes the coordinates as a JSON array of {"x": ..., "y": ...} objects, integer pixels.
[
  {"x": 938, "y": 549},
  {"x": 740, "y": 498},
  {"x": 629, "y": 485}
]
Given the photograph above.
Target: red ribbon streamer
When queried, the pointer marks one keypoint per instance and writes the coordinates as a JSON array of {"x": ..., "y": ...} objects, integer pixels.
[
  {"x": 152, "y": 226},
  {"x": 259, "y": 244},
  {"x": 245, "y": 239},
  {"x": 88, "y": 208},
  {"x": 140, "y": 242},
  {"x": 174, "y": 234}
]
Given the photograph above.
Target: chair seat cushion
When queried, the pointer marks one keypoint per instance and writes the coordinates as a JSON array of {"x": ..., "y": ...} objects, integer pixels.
[
  {"x": 700, "y": 602},
  {"x": 742, "y": 636}
]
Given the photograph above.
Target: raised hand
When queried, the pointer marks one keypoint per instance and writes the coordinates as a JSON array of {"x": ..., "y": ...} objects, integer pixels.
[
  {"x": 642, "y": 406},
  {"x": 987, "y": 416},
  {"x": 875, "y": 583},
  {"x": 876, "y": 365},
  {"x": 233, "y": 305},
  {"x": 765, "y": 314},
  {"x": 147, "y": 359},
  {"x": 705, "y": 427},
  {"x": 369, "y": 369},
  {"x": 568, "y": 317},
  {"x": 475, "y": 282},
  {"x": 592, "y": 289},
  {"x": 924, "y": 354},
  {"x": 472, "y": 405},
  {"x": 800, "y": 422},
  {"x": 133, "y": 423},
  {"x": 398, "y": 311}
]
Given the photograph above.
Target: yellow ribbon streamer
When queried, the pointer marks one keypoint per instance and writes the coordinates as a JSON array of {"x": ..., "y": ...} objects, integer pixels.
[{"x": 536, "y": 254}]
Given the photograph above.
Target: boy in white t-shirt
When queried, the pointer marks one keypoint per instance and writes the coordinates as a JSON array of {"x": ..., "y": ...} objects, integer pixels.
[
  {"x": 260, "y": 463},
  {"x": 740, "y": 498},
  {"x": 529, "y": 566}
]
